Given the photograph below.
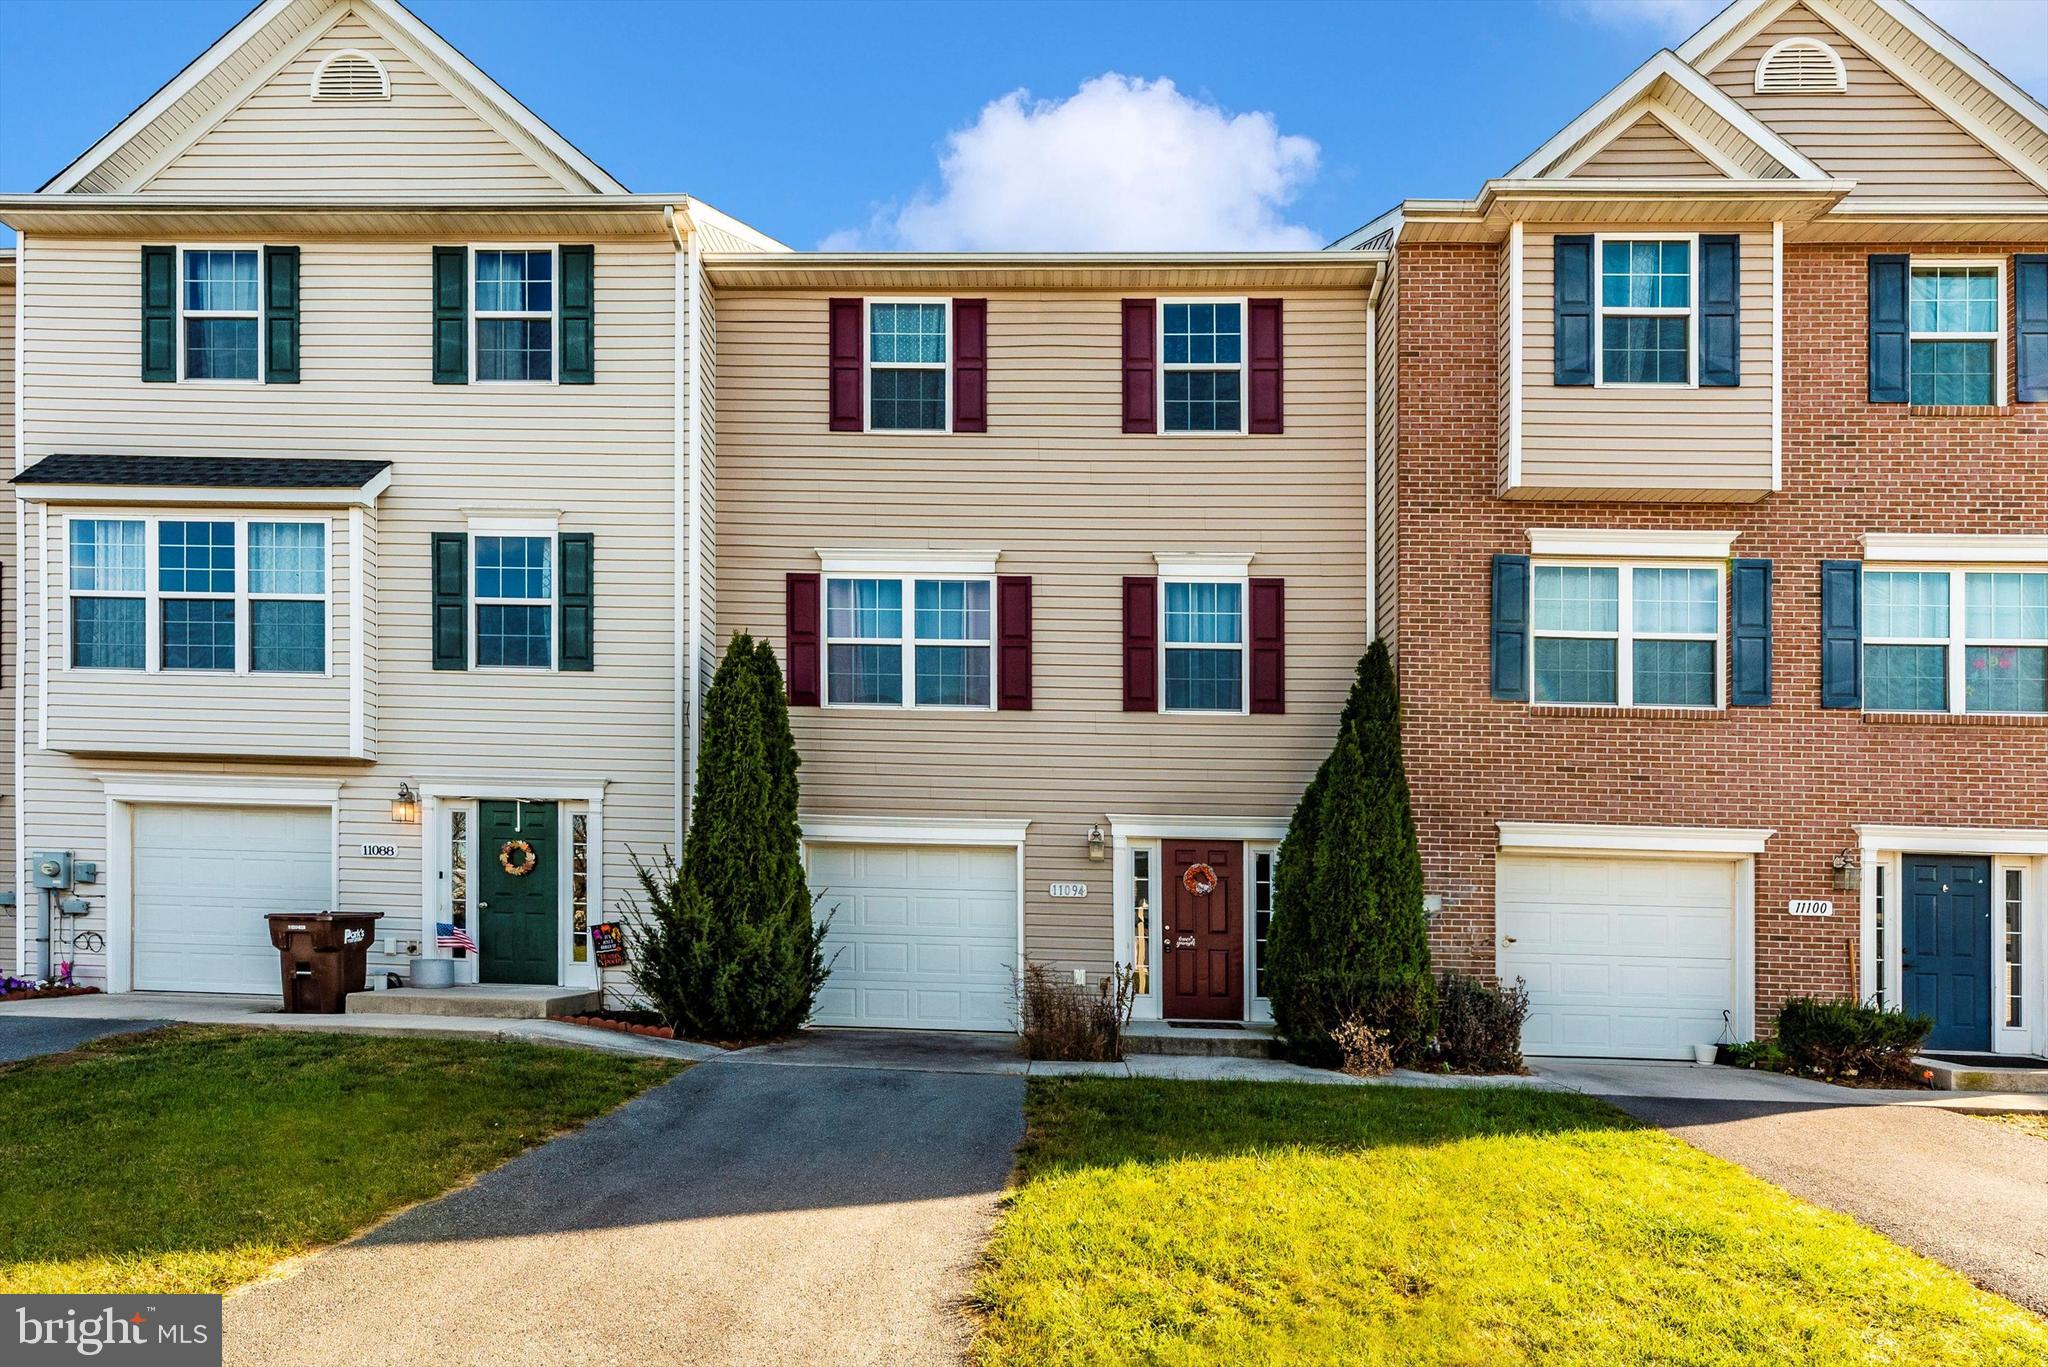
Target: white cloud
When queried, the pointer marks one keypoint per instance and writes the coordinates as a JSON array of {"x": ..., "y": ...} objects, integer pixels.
[
  {"x": 1667, "y": 19},
  {"x": 1121, "y": 164}
]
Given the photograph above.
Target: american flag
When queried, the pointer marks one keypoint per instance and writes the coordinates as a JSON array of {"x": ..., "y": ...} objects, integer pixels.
[{"x": 453, "y": 937}]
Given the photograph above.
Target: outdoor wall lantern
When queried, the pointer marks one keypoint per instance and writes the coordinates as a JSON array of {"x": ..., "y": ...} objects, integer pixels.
[
  {"x": 1095, "y": 844},
  {"x": 1848, "y": 872},
  {"x": 405, "y": 808}
]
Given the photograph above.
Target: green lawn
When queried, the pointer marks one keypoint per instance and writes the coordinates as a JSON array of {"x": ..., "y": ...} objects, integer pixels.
[
  {"x": 1244, "y": 1223},
  {"x": 196, "y": 1159}
]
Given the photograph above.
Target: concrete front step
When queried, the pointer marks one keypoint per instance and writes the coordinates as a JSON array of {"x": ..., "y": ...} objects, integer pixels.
[
  {"x": 492, "y": 1001},
  {"x": 1991, "y": 1074},
  {"x": 1209, "y": 1041}
]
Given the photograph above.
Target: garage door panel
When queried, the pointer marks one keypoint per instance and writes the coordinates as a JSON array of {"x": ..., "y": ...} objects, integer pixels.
[
  {"x": 205, "y": 877},
  {"x": 1625, "y": 957}
]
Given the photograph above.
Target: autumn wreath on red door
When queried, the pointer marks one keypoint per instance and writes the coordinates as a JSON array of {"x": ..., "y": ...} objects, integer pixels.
[{"x": 1200, "y": 879}]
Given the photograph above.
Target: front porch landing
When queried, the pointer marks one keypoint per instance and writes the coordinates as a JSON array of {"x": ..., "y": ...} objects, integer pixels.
[{"x": 488, "y": 1001}]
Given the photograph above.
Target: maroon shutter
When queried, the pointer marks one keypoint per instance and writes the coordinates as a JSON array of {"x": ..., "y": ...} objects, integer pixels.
[
  {"x": 846, "y": 352},
  {"x": 1141, "y": 384},
  {"x": 1264, "y": 371},
  {"x": 1141, "y": 644},
  {"x": 1269, "y": 645},
  {"x": 970, "y": 365},
  {"x": 1013, "y": 642},
  {"x": 800, "y": 623}
]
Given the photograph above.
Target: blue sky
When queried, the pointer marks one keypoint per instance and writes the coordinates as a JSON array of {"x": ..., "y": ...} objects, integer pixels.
[{"x": 899, "y": 124}]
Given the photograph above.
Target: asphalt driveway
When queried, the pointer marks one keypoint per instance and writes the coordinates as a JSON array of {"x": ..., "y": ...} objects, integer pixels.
[
  {"x": 34, "y": 1036},
  {"x": 744, "y": 1213}
]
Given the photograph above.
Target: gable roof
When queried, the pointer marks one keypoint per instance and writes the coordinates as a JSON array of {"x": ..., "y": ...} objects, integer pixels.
[{"x": 266, "y": 38}]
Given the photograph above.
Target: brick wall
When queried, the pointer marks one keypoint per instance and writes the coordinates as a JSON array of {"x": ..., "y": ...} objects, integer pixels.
[{"x": 1849, "y": 467}]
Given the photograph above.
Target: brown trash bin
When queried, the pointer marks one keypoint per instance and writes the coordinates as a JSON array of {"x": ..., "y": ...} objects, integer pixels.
[{"x": 324, "y": 956}]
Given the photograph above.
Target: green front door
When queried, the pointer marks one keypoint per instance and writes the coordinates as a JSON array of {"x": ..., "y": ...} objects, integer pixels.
[{"x": 519, "y": 913}]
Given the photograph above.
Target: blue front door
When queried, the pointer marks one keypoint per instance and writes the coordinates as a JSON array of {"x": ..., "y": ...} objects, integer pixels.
[{"x": 1946, "y": 949}]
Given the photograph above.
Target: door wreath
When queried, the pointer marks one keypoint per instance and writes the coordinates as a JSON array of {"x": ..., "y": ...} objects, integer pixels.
[
  {"x": 520, "y": 851},
  {"x": 1200, "y": 879}
]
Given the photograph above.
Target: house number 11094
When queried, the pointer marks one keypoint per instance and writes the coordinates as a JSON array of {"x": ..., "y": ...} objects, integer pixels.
[{"x": 1068, "y": 889}]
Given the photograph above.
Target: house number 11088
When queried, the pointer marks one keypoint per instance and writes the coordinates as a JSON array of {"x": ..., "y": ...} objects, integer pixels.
[{"x": 380, "y": 851}]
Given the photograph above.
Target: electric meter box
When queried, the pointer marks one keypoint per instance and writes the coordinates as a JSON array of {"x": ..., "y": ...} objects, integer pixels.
[{"x": 52, "y": 868}]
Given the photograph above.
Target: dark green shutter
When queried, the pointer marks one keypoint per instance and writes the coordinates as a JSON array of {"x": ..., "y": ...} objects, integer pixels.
[
  {"x": 1749, "y": 614},
  {"x": 1510, "y": 673},
  {"x": 451, "y": 315},
  {"x": 451, "y": 600},
  {"x": 2030, "y": 306},
  {"x": 160, "y": 314},
  {"x": 1720, "y": 309},
  {"x": 280, "y": 315},
  {"x": 1841, "y": 633},
  {"x": 579, "y": 361},
  {"x": 577, "y": 604},
  {"x": 1572, "y": 309},
  {"x": 1891, "y": 352}
]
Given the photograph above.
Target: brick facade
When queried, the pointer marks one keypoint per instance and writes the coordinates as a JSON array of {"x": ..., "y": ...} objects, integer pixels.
[{"x": 1850, "y": 467}]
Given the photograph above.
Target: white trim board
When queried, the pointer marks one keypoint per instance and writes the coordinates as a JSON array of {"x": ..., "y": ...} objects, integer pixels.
[
  {"x": 1960, "y": 548},
  {"x": 912, "y": 830},
  {"x": 1991, "y": 840},
  {"x": 1254, "y": 828},
  {"x": 1202, "y": 564},
  {"x": 908, "y": 560},
  {"x": 206, "y": 495},
  {"x": 1573, "y": 837},
  {"x": 1633, "y": 545}
]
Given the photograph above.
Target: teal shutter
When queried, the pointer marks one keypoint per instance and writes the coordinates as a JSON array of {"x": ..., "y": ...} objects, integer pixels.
[
  {"x": 1510, "y": 673},
  {"x": 280, "y": 315},
  {"x": 1841, "y": 633},
  {"x": 1571, "y": 309},
  {"x": 579, "y": 360},
  {"x": 451, "y": 315},
  {"x": 2030, "y": 305},
  {"x": 1891, "y": 352},
  {"x": 1720, "y": 309},
  {"x": 160, "y": 314},
  {"x": 1749, "y": 635},
  {"x": 577, "y": 606},
  {"x": 451, "y": 600}
]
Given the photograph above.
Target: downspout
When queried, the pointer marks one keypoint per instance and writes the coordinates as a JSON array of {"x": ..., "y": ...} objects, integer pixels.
[
  {"x": 690, "y": 515},
  {"x": 20, "y": 362},
  {"x": 1372, "y": 454}
]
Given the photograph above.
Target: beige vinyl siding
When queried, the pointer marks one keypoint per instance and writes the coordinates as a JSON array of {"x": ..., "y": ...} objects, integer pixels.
[
  {"x": 1881, "y": 134},
  {"x": 10, "y": 636},
  {"x": 282, "y": 141},
  {"x": 1647, "y": 148},
  {"x": 600, "y": 457},
  {"x": 1387, "y": 410},
  {"x": 1077, "y": 505},
  {"x": 1666, "y": 441}
]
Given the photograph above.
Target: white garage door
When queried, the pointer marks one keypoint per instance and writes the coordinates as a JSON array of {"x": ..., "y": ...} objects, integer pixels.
[
  {"x": 204, "y": 878},
  {"x": 925, "y": 936},
  {"x": 1624, "y": 958}
]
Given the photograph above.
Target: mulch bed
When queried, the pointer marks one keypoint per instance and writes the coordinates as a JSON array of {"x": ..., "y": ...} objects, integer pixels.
[
  {"x": 30, "y": 994},
  {"x": 625, "y": 1022}
]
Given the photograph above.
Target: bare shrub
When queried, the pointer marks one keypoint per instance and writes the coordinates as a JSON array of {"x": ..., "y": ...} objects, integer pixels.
[
  {"x": 1068, "y": 1023},
  {"x": 1362, "y": 1050}
]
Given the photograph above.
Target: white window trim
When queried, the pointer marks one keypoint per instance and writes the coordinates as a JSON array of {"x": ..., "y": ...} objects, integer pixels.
[
  {"x": 546, "y": 531},
  {"x": 153, "y": 595},
  {"x": 256, "y": 314},
  {"x": 1958, "y": 640},
  {"x": 1625, "y": 635},
  {"x": 1243, "y": 647},
  {"x": 868, "y": 365},
  {"x": 906, "y": 640},
  {"x": 1999, "y": 395},
  {"x": 1243, "y": 366},
  {"x": 1691, "y": 313},
  {"x": 477, "y": 316}
]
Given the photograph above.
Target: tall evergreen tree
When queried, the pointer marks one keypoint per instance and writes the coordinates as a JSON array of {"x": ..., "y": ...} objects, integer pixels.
[
  {"x": 729, "y": 948},
  {"x": 1348, "y": 935}
]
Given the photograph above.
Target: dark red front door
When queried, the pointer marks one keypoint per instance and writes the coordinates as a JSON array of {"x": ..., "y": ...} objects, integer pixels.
[{"x": 1202, "y": 933}]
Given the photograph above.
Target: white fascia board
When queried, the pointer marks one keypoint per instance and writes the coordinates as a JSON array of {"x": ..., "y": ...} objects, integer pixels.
[
  {"x": 1390, "y": 219},
  {"x": 1203, "y": 564},
  {"x": 1953, "y": 840},
  {"x": 697, "y": 211},
  {"x": 902, "y": 561},
  {"x": 1632, "y": 545},
  {"x": 1134, "y": 827},
  {"x": 250, "y": 790},
  {"x": 1959, "y": 548},
  {"x": 204, "y": 496},
  {"x": 911, "y": 830},
  {"x": 1573, "y": 837}
]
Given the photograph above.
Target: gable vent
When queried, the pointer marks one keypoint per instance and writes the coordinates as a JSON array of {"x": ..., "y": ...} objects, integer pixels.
[
  {"x": 352, "y": 76},
  {"x": 1801, "y": 66}
]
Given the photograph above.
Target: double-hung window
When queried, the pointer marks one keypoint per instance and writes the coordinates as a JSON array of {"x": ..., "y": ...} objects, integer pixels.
[
  {"x": 223, "y": 595},
  {"x": 515, "y": 313},
  {"x": 220, "y": 297},
  {"x": 1201, "y": 359},
  {"x": 1627, "y": 635},
  {"x": 515, "y": 602},
  {"x": 1937, "y": 640},
  {"x": 909, "y": 641},
  {"x": 1957, "y": 316},
  {"x": 1203, "y": 642},
  {"x": 1647, "y": 289},
  {"x": 908, "y": 357}
]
